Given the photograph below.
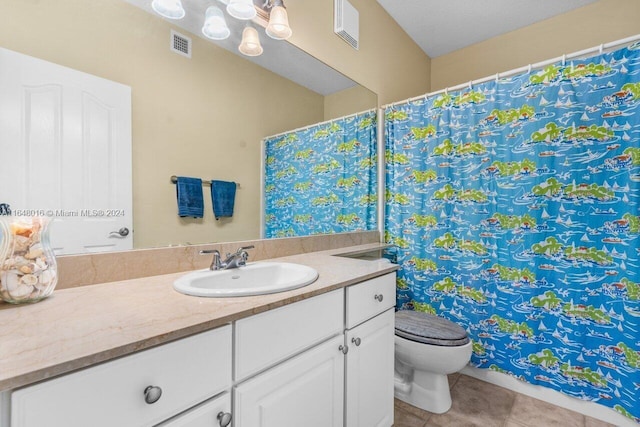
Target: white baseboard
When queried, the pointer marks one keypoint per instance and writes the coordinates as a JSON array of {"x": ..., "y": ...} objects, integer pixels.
[{"x": 591, "y": 409}]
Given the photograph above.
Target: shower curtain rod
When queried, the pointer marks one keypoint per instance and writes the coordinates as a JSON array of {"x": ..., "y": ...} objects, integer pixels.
[
  {"x": 528, "y": 68},
  {"x": 319, "y": 124}
]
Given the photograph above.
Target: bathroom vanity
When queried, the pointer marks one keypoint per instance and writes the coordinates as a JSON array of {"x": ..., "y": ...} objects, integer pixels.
[{"x": 316, "y": 356}]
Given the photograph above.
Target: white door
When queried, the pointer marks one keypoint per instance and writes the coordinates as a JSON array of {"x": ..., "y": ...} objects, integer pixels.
[
  {"x": 369, "y": 377},
  {"x": 307, "y": 390},
  {"x": 65, "y": 150}
]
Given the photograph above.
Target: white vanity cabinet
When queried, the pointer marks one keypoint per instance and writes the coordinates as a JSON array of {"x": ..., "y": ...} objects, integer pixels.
[{"x": 324, "y": 361}]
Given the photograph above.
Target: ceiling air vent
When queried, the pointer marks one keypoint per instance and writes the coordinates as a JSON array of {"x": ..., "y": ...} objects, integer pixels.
[
  {"x": 180, "y": 44},
  {"x": 346, "y": 22}
]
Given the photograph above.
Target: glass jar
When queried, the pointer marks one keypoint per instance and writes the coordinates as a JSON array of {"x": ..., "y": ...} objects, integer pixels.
[{"x": 28, "y": 271}]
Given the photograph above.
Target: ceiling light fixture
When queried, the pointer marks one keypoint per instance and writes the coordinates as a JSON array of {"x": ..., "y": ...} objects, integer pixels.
[
  {"x": 271, "y": 14},
  {"x": 215, "y": 26},
  {"x": 171, "y": 9}
]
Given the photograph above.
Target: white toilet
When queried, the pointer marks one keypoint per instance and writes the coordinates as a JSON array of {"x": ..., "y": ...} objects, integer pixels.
[{"x": 427, "y": 348}]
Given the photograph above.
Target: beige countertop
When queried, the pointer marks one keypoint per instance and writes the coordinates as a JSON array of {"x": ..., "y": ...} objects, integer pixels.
[{"x": 78, "y": 327}]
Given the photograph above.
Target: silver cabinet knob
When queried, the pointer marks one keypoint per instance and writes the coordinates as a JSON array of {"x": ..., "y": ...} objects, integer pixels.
[
  {"x": 152, "y": 394},
  {"x": 344, "y": 349},
  {"x": 356, "y": 341},
  {"x": 224, "y": 418},
  {"x": 123, "y": 232},
  {"x": 378, "y": 297}
]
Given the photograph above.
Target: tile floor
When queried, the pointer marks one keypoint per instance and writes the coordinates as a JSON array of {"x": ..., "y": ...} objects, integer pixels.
[{"x": 481, "y": 404}]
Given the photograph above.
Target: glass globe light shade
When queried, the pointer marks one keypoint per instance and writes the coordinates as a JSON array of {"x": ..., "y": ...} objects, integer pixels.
[
  {"x": 241, "y": 9},
  {"x": 250, "y": 44},
  {"x": 278, "y": 27},
  {"x": 215, "y": 26},
  {"x": 171, "y": 9}
]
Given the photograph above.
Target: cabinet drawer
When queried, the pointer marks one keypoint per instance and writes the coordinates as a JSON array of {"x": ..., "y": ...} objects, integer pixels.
[
  {"x": 188, "y": 371},
  {"x": 203, "y": 415},
  {"x": 368, "y": 299},
  {"x": 270, "y": 337}
]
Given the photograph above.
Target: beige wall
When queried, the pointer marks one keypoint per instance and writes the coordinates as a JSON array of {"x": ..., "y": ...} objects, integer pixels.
[
  {"x": 349, "y": 101},
  {"x": 588, "y": 26},
  {"x": 388, "y": 62}
]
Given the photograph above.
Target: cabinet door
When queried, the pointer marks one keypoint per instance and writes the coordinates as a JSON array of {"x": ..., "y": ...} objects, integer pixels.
[
  {"x": 204, "y": 415},
  {"x": 369, "y": 382},
  {"x": 307, "y": 390}
]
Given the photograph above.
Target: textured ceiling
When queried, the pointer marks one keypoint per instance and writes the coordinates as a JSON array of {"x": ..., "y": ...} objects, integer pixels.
[{"x": 442, "y": 26}]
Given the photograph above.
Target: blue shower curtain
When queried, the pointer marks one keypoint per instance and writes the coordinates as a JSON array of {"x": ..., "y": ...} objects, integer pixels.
[
  {"x": 322, "y": 179},
  {"x": 514, "y": 205}
]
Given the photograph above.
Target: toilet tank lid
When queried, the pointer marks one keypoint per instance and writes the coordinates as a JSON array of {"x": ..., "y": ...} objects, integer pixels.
[{"x": 429, "y": 329}]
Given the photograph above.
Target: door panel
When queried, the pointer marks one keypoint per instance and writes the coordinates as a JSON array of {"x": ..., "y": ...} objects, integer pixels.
[
  {"x": 369, "y": 382},
  {"x": 307, "y": 390},
  {"x": 65, "y": 138}
]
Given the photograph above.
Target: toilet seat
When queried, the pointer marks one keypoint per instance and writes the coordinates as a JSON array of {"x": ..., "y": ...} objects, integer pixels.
[{"x": 429, "y": 329}]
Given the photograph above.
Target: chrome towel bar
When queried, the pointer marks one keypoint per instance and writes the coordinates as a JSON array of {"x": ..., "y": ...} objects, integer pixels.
[{"x": 174, "y": 179}]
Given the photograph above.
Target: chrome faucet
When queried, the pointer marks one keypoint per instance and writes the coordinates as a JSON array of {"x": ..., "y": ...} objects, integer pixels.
[
  {"x": 215, "y": 262},
  {"x": 235, "y": 260}
]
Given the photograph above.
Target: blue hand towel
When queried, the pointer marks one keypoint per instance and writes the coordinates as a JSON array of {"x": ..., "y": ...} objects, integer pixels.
[
  {"x": 190, "y": 200},
  {"x": 223, "y": 196}
]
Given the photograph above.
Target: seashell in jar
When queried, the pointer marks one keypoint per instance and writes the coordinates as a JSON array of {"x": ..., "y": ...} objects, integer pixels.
[
  {"x": 36, "y": 268},
  {"x": 45, "y": 279},
  {"x": 9, "y": 263},
  {"x": 20, "y": 261},
  {"x": 41, "y": 264},
  {"x": 21, "y": 292},
  {"x": 34, "y": 251},
  {"x": 29, "y": 280},
  {"x": 26, "y": 269},
  {"x": 21, "y": 244},
  {"x": 36, "y": 230},
  {"x": 9, "y": 280},
  {"x": 21, "y": 228}
]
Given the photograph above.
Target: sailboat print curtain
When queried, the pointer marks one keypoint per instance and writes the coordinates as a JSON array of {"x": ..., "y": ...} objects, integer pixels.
[
  {"x": 322, "y": 179},
  {"x": 515, "y": 208}
]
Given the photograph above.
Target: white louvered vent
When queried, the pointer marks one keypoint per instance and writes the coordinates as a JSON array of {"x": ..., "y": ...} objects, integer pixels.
[
  {"x": 180, "y": 44},
  {"x": 346, "y": 22}
]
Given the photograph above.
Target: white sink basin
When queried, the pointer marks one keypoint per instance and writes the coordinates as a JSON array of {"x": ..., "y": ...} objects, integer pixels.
[{"x": 257, "y": 278}]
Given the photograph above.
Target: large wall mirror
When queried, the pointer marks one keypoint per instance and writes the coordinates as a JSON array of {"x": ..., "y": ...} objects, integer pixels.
[{"x": 203, "y": 116}]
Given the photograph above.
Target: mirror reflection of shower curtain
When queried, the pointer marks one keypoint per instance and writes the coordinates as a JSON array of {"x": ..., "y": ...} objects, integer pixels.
[
  {"x": 322, "y": 179},
  {"x": 515, "y": 205}
]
